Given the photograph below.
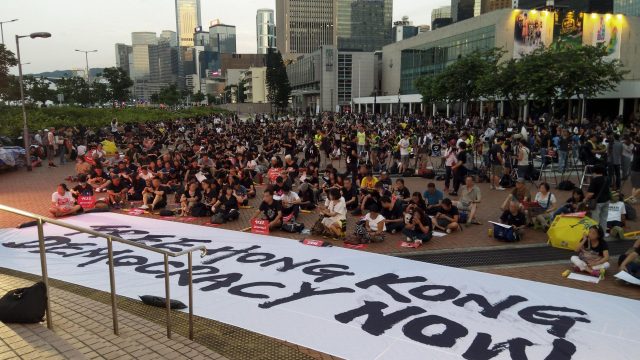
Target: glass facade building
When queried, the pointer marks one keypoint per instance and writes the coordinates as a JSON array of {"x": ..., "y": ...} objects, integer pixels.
[
  {"x": 433, "y": 57},
  {"x": 465, "y": 9},
  {"x": 265, "y": 30},
  {"x": 627, "y": 7},
  {"x": 304, "y": 25},
  {"x": 187, "y": 19},
  {"x": 142, "y": 53},
  {"x": 222, "y": 39},
  {"x": 363, "y": 25}
]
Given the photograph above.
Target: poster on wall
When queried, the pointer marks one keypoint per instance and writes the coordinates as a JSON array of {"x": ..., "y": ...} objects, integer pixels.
[
  {"x": 607, "y": 31},
  {"x": 568, "y": 29},
  {"x": 533, "y": 29}
]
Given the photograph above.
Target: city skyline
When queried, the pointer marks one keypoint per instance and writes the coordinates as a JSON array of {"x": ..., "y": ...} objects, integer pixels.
[{"x": 90, "y": 25}]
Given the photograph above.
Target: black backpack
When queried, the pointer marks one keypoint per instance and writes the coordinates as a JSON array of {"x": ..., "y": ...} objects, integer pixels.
[{"x": 24, "y": 305}]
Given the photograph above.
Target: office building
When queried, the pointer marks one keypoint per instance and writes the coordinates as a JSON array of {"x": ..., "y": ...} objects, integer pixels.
[
  {"x": 265, "y": 30},
  {"x": 465, "y": 9},
  {"x": 255, "y": 85},
  {"x": 187, "y": 19},
  {"x": 304, "y": 25},
  {"x": 363, "y": 25},
  {"x": 597, "y": 6},
  {"x": 123, "y": 57},
  {"x": 404, "y": 29},
  {"x": 423, "y": 28},
  {"x": 222, "y": 38},
  {"x": 201, "y": 38},
  {"x": 429, "y": 54},
  {"x": 441, "y": 17},
  {"x": 329, "y": 80},
  {"x": 627, "y": 7},
  {"x": 143, "y": 55},
  {"x": 167, "y": 62},
  {"x": 170, "y": 36}
]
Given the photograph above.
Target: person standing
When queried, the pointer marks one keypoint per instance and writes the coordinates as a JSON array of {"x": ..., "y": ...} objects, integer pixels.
[
  {"x": 627, "y": 156},
  {"x": 614, "y": 155},
  {"x": 497, "y": 159},
  {"x": 403, "y": 145},
  {"x": 599, "y": 192},
  {"x": 51, "y": 146}
]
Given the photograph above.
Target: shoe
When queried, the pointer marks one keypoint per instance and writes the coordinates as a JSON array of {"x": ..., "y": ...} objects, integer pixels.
[
  {"x": 500, "y": 188},
  {"x": 475, "y": 222},
  {"x": 144, "y": 207},
  {"x": 448, "y": 231},
  {"x": 393, "y": 231},
  {"x": 418, "y": 242},
  {"x": 408, "y": 239}
]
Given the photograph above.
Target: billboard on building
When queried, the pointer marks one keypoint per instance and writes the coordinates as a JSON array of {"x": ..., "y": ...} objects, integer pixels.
[
  {"x": 533, "y": 29},
  {"x": 568, "y": 28},
  {"x": 606, "y": 30}
]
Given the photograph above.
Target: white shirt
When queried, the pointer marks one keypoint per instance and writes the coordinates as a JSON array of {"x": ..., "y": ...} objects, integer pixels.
[
  {"x": 373, "y": 223},
  {"x": 289, "y": 199},
  {"x": 544, "y": 200},
  {"x": 404, "y": 147},
  {"x": 82, "y": 150},
  {"x": 616, "y": 210},
  {"x": 65, "y": 201},
  {"x": 339, "y": 207}
]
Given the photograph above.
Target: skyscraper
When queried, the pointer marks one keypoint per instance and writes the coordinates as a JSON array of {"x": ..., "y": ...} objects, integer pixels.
[
  {"x": 187, "y": 19},
  {"x": 404, "y": 29},
  {"x": 304, "y": 25},
  {"x": 123, "y": 56},
  {"x": 363, "y": 25},
  {"x": 170, "y": 36},
  {"x": 222, "y": 38},
  {"x": 143, "y": 55},
  {"x": 440, "y": 17},
  {"x": 265, "y": 30},
  {"x": 465, "y": 9}
]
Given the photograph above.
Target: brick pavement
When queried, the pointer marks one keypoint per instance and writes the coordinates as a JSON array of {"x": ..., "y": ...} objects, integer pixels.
[{"x": 80, "y": 333}]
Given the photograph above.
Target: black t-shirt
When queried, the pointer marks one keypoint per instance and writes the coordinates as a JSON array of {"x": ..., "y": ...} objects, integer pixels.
[
  {"x": 86, "y": 190},
  {"x": 453, "y": 211},
  {"x": 352, "y": 160},
  {"x": 349, "y": 194},
  {"x": 291, "y": 148},
  {"x": 228, "y": 203},
  {"x": 518, "y": 219},
  {"x": 395, "y": 212},
  {"x": 209, "y": 196},
  {"x": 600, "y": 249},
  {"x": 493, "y": 154},
  {"x": 403, "y": 194},
  {"x": 386, "y": 183},
  {"x": 271, "y": 210},
  {"x": 564, "y": 143},
  {"x": 117, "y": 188},
  {"x": 599, "y": 186},
  {"x": 164, "y": 189},
  {"x": 545, "y": 140}
]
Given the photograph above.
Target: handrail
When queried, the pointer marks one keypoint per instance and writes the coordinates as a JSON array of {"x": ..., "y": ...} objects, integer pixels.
[{"x": 41, "y": 220}]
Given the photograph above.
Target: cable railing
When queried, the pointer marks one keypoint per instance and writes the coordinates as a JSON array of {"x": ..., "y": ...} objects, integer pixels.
[{"x": 41, "y": 220}]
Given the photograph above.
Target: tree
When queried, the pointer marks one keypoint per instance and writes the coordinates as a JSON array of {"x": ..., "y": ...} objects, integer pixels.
[
  {"x": 73, "y": 89},
  {"x": 38, "y": 89},
  {"x": 119, "y": 83},
  {"x": 12, "y": 90},
  {"x": 170, "y": 95},
  {"x": 211, "y": 99},
  {"x": 101, "y": 92},
  {"x": 277, "y": 80},
  {"x": 198, "y": 97},
  {"x": 7, "y": 60}
]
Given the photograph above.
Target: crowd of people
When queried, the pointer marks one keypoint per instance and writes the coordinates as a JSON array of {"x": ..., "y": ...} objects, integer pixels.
[{"x": 341, "y": 165}]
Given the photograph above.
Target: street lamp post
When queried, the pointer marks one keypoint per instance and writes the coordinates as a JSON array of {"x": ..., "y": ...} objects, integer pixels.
[
  {"x": 25, "y": 130},
  {"x": 2, "y": 30},
  {"x": 86, "y": 59}
]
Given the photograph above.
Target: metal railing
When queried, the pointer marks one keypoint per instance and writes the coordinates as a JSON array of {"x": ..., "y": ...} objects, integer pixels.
[{"x": 41, "y": 220}]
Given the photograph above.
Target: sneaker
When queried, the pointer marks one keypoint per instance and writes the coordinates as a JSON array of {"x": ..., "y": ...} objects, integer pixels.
[
  {"x": 500, "y": 188},
  {"x": 144, "y": 207},
  {"x": 448, "y": 231}
]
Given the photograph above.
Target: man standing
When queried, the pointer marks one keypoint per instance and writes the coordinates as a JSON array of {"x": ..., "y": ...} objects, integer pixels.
[
  {"x": 403, "y": 145},
  {"x": 496, "y": 158},
  {"x": 599, "y": 190}
]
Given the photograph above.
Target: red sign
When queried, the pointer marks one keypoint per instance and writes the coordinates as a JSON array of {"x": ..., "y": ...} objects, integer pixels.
[
  {"x": 260, "y": 226},
  {"x": 312, "y": 242},
  {"x": 87, "y": 202}
]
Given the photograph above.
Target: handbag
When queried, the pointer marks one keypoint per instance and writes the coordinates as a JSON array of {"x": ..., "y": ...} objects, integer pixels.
[{"x": 24, "y": 305}]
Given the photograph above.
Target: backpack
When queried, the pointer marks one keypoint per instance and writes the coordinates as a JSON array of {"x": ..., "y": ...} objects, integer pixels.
[
  {"x": 24, "y": 305},
  {"x": 293, "y": 227}
]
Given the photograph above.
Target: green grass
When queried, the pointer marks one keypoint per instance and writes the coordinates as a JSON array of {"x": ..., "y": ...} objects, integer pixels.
[{"x": 40, "y": 118}]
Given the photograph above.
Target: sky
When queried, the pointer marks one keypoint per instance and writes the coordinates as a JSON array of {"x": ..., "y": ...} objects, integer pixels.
[{"x": 100, "y": 24}]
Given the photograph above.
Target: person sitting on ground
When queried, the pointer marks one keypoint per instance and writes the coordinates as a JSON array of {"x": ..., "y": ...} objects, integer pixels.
[
  {"x": 246, "y": 180},
  {"x": 350, "y": 194},
  {"x": 434, "y": 198},
  {"x": 136, "y": 189},
  {"x": 368, "y": 182},
  {"x": 83, "y": 188},
  {"x": 334, "y": 213},
  {"x": 419, "y": 227},
  {"x": 630, "y": 261},
  {"x": 401, "y": 192},
  {"x": 117, "y": 192},
  {"x": 417, "y": 201},
  {"x": 374, "y": 224},
  {"x": 290, "y": 204},
  {"x": 593, "y": 253},
  {"x": 98, "y": 178},
  {"x": 470, "y": 197},
  {"x": 546, "y": 201},
  {"x": 370, "y": 196},
  {"x": 520, "y": 193},
  {"x": 616, "y": 216},
  {"x": 516, "y": 218},
  {"x": 573, "y": 205},
  {"x": 82, "y": 167},
  {"x": 393, "y": 214},
  {"x": 156, "y": 195},
  {"x": 270, "y": 209},
  {"x": 447, "y": 217},
  {"x": 63, "y": 202},
  {"x": 226, "y": 207},
  {"x": 190, "y": 198},
  {"x": 385, "y": 180}
]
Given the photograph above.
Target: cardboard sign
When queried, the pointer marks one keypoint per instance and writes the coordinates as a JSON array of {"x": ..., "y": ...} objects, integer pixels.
[
  {"x": 312, "y": 242},
  {"x": 87, "y": 202},
  {"x": 260, "y": 226}
]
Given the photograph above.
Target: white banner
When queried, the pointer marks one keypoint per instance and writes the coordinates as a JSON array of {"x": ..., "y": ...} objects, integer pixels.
[{"x": 347, "y": 303}]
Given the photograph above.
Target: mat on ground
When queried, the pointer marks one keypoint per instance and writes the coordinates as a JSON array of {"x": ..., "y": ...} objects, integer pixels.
[{"x": 343, "y": 302}]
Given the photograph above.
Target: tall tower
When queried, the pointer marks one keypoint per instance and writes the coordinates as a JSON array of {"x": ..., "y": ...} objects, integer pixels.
[
  {"x": 265, "y": 30},
  {"x": 187, "y": 19},
  {"x": 363, "y": 25},
  {"x": 305, "y": 25}
]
